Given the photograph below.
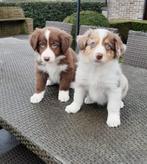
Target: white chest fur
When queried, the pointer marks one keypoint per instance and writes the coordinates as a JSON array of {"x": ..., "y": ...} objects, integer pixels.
[
  {"x": 54, "y": 70},
  {"x": 98, "y": 79}
]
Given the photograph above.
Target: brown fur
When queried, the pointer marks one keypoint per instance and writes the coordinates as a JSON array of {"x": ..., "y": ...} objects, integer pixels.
[
  {"x": 109, "y": 44},
  {"x": 114, "y": 42},
  {"x": 57, "y": 36},
  {"x": 59, "y": 42},
  {"x": 34, "y": 38},
  {"x": 41, "y": 79}
]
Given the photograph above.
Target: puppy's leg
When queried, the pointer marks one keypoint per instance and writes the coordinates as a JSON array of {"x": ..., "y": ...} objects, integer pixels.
[
  {"x": 113, "y": 107},
  {"x": 88, "y": 100},
  {"x": 41, "y": 79},
  {"x": 124, "y": 86},
  {"x": 65, "y": 81},
  {"x": 75, "y": 106}
]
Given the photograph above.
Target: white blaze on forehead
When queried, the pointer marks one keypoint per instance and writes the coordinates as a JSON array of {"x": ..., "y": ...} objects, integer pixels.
[
  {"x": 47, "y": 34},
  {"x": 102, "y": 33},
  {"x": 48, "y": 52}
]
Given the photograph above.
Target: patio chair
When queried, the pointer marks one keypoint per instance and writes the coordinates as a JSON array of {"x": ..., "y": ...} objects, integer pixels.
[
  {"x": 81, "y": 138},
  {"x": 62, "y": 25},
  {"x": 136, "y": 53}
]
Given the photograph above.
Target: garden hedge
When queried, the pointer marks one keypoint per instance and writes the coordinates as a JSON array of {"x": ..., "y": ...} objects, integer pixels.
[
  {"x": 55, "y": 11},
  {"x": 88, "y": 17},
  {"x": 124, "y": 26}
]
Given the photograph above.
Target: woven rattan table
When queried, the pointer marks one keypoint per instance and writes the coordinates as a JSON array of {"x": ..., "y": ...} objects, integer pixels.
[{"x": 82, "y": 138}]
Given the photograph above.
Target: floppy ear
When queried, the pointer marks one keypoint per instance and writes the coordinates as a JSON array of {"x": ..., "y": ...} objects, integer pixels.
[
  {"x": 66, "y": 40},
  {"x": 82, "y": 39},
  {"x": 34, "y": 38},
  {"x": 120, "y": 48}
]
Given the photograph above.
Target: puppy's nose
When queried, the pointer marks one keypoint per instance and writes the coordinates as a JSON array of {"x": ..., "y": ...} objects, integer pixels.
[
  {"x": 46, "y": 59},
  {"x": 99, "y": 56}
]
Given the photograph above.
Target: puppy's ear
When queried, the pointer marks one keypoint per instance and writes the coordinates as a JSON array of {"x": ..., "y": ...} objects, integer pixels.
[
  {"x": 83, "y": 39},
  {"x": 66, "y": 40},
  {"x": 34, "y": 38},
  {"x": 120, "y": 48}
]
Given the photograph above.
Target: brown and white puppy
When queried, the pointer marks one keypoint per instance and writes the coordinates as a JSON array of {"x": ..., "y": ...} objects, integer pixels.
[
  {"x": 55, "y": 62},
  {"x": 99, "y": 78}
]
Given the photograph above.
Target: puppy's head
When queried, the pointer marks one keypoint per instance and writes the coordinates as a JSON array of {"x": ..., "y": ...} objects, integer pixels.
[
  {"x": 100, "y": 45},
  {"x": 50, "y": 43}
]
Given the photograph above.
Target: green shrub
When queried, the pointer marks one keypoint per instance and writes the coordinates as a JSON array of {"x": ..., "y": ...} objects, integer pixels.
[
  {"x": 52, "y": 11},
  {"x": 92, "y": 18},
  {"x": 87, "y": 17},
  {"x": 124, "y": 26}
]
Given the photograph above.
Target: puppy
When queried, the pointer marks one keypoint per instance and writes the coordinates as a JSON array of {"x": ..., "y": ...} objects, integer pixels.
[
  {"x": 99, "y": 78},
  {"x": 55, "y": 62}
]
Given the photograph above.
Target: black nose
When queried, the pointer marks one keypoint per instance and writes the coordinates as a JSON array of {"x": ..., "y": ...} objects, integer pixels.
[
  {"x": 46, "y": 59},
  {"x": 99, "y": 56}
]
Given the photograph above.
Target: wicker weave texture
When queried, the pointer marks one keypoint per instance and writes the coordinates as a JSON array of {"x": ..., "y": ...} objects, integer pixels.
[
  {"x": 52, "y": 134},
  {"x": 63, "y": 26},
  {"x": 136, "y": 53}
]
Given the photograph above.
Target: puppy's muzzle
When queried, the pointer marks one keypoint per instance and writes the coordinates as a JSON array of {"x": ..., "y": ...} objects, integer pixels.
[
  {"x": 46, "y": 59},
  {"x": 99, "y": 56}
]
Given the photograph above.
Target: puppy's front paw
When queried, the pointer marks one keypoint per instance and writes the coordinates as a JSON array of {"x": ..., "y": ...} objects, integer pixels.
[
  {"x": 37, "y": 97},
  {"x": 63, "y": 96},
  {"x": 88, "y": 100},
  {"x": 48, "y": 83},
  {"x": 72, "y": 108},
  {"x": 113, "y": 120}
]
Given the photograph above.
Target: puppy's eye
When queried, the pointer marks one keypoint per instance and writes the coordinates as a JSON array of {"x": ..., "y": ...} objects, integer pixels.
[
  {"x": 92, "y": 44},
  {"x": 108, "y": 47},
  {"x": 55, "y": 45},
  {"x": 42, "y": 45}
]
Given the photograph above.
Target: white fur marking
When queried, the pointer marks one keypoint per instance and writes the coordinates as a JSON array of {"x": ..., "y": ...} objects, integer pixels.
[
  {"x": 53, "y": 69},
  {"x": 49, "y": 82},
  {"x": 72, "y": 108},
  {"x": 113, "y": 120},
  {"x": 37, "y": 97},
  {"x": 122, "y": 104},
  {"x": 48, "y": 53},
  {"x": 63, "y": 96},
  {"x": 47, "y": 34},
  {"x": 102, "y": 33},
  {"x": 88, "y": 100}
]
